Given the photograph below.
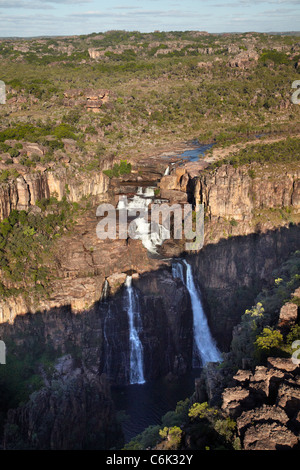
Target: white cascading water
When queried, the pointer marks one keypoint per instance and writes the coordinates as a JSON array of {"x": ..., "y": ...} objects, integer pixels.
[
  {"x": 205, "y": 347},
  {"x": 136, "y": 348},
  {"x": 104, "y": 293},
  {"x": 142, "y": 231}
]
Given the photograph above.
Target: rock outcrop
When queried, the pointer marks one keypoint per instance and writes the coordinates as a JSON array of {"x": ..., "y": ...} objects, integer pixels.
[
  {"x": 92, "y": 99},
  {"x": 27, "y": 189},
  {"x": 265, "y": 404},
  {"x": 244, "y": 59},
  {"x": 288, "y": 316}
]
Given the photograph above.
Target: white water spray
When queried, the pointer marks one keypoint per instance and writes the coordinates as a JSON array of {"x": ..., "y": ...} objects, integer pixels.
[{"x": 136, "y": 348}]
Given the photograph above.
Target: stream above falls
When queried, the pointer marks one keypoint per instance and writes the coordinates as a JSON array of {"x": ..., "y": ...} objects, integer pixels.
[{"x": 138, "y": 197}]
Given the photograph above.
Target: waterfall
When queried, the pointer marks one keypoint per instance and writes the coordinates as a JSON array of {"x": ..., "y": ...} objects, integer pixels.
[
  {"x": 167, "y": 171},
  {"x": 204, "y": 345},
  {"x": 104, "y": 293},
  {"x": 140, "y": 228},
  {"x": 136, "y": 348}
]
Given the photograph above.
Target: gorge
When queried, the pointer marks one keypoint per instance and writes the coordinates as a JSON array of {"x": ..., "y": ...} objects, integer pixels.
[{"x": 117, "y": 317}]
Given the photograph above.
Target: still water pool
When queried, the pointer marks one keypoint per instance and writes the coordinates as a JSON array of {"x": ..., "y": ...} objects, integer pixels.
[{"x": 145, "y": 404}]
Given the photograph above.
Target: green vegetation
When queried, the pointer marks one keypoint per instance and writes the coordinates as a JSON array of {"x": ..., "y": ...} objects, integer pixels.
[
  {"x": 151, "y": 436},
  {"x": 27, "y": 132},
  {"x": 123, "y": 168},
  {"x": 173, "y": 436},
  {"x": 32, "y": 133},
  {"x": 268, "y": 342},
  {"x": 6, "y": 175},
  {"x": 258, "y": 334},
  {"x": 285, "y": 151},
  {"x": 25, "y": 246},
  {"x": 201, "y": 411},
  {"x": 274, "y": 56},
  {"x": 202, "y": 422}
]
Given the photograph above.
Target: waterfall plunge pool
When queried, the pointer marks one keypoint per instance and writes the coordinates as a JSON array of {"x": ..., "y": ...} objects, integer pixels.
[{"x": 145, "y": 405}]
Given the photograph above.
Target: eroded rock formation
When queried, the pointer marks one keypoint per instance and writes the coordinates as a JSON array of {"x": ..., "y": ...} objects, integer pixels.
[{"x": 265, "y": 404}]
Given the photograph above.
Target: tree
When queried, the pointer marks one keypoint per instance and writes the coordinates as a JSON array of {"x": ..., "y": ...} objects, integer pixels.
[
  {"x": 173, "y": 436},
  {"x": 202, "y": 411},
  {"x": 267, "y": 341}
]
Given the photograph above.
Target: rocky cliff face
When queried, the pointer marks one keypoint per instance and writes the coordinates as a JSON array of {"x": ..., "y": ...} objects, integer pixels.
[
  {"x": 27, "y": 189},
  {"x": 237, "y": 195},
  {"x": 72, "y": 408},
  {"x": 231, "y": 272},
  {"x": 70, "y": 413},
  {"x": 236, "y": 192}
]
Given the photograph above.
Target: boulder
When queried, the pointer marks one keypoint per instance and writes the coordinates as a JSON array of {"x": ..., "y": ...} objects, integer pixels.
[
  {"x": 115, "y": 281},
  {"x": 168, "y": 182},
  {"x": 269, "y": 436},
  {"x": 260, "y": 415},
  {"x": 175, "y": 197},
  {"x": 288, "y": 397},
  {"x": 244, "y": 59},
  {"x": 235, "y": 400},
  {"x": 288, "y": 315}
]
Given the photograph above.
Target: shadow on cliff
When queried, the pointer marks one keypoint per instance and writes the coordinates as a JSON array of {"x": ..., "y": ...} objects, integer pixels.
[
  {"x": 91, "y": 349},
  {"x": 229, "y": 275}
]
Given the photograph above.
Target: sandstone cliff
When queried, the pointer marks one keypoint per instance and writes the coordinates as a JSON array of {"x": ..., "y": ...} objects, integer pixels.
[
  {"x": 27, "y": 189},
  {"x": 246, "y": 197},
  {"x": 227, "y": 266},
  {"x": 237, "y": 203}
]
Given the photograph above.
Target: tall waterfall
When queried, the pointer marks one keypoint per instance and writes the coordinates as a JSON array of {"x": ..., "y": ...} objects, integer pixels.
[
  {"x": 136, "y": 348},
  {"x": 204, "y": 345},
  {"x": 104, "y": 293}
]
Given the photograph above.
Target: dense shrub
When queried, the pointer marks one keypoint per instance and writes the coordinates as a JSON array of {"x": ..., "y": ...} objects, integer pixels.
[
  {"x": 284, "y": 151},
  {"x": 274, "y": 56},
  {"x": 123, "y": 168}
]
